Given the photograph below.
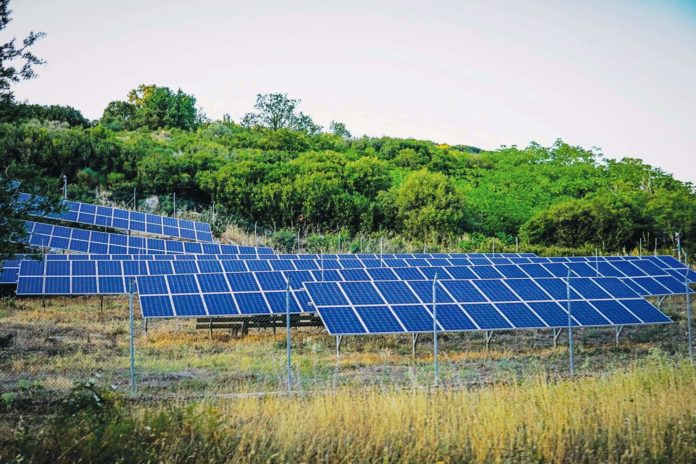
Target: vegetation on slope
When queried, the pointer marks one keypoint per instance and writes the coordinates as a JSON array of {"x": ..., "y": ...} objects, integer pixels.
[{"x": 321, "y": 182}]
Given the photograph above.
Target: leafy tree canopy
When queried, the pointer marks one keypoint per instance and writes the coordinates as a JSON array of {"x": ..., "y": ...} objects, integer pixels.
[
  {"x": 153, "y": 107},
  {"x": 16, "y": 61},
  {"x": 276, "y": 111}
]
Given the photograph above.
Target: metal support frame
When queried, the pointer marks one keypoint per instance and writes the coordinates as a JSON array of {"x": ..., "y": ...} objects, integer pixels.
[
  {"x": 65, "y": 186},
  {"x": 132, "y": 338},
  {"x": 660, "y": 300},
  {"x": 381, "y": 252},
  {"x": 101, "y": 304},
  {"x": 489, "y": 335},
  {"x": 145, "y": 326},
  {"x": 689, "y": 333},
  {"x": 619, "y": 330},
  {"x": 289, "y": 335},
  {"x": 339, "y": 340},
  {"x": 571, "y": 351},
  {"x": 414, "y": 343},
  {"x": 556, "y": 333},
  {"x": 436, "y": 365}
]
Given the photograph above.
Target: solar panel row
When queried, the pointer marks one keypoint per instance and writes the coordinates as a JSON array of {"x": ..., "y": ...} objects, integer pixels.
[
  {"x": 355, "y": 308},
  {"x": 88, "y": 241},
  {"x": 646, "y": 280},
  {"x": 123, "y": 219},
  {"x": 367, "y": 256},
  {"x": 215, "y": 263},
  {"x": 346, "y": 261},
  {"x": 263, "y": 293},
  {"x": 613, "y": 267}
]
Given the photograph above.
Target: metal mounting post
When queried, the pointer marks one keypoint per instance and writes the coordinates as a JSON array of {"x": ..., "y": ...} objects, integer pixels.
[
  {"x": 414, "y": 343},
  {"x": 145, "y": 327},
  {"x": 556, "y": 333},
  {"x": 132, "y": 338},
  {"x": 619, "y": 329},
  {"x": 381, "y": 252},
  {"x": 489, "y": 336},
  {"x": 688, "y": 309},
  {"x": 660, "y": 300},
  {"x": 436, "y": 366},
  {"x": 65, "y": 186},
  {"x": 571, "y": 354},
  {"x": 287, "y": 327},
  {"x": 339, "y": 339}
]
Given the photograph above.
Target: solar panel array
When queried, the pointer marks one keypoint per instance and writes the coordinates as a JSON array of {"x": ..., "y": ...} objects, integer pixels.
[
  {"x": 641, "y": 275},
  {"x": 354, "y": 294},
  {"x": 359, "y": 308},
  {"x": 123, "y": 219},
  {"x": 48, "y": 236}
]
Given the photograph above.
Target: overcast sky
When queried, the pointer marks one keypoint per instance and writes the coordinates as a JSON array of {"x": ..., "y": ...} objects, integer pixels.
[{"x": 617, "y": 75}]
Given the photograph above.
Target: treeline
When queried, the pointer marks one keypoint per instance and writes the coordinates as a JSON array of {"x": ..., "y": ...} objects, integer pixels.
[{"x": 281, "y": 170}]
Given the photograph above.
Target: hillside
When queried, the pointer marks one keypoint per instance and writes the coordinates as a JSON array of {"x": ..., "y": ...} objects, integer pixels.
[{"x": 293, "y": 175}]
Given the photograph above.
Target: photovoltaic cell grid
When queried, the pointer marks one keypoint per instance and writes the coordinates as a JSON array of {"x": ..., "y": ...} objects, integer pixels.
[
  {"x": 89, "y": 241},
  {"x": 371, "y": 258},
  {"x": 603, "y": 266},
  {"x": 611, "y": 266},
  {"x": 228, "y": 294},
  {"x": 104, "y": 277},
  {"x": 253, "y": 255},
  {"x": 9, "y": 271},
  {"x": 658, "y": 283},
  {"x": 360, "y": 308},
  {"x": 116, "y": 218}
]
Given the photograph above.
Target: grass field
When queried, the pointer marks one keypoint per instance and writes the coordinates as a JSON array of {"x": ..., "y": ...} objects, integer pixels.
[{"x": 64, "y": 384}]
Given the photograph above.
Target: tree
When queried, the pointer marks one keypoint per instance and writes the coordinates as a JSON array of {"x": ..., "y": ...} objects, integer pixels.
[
  {"x": 118, "y": 115},
  {"x": 14, "y": 213},
  {"x": 604, "y": 220},
  {"x": 153, "y": 107},
  {"x": 276, "y": 111},
  {"x": 9, "y": 53},
  {"x": 57, "y": 113},
  {"x": 426, "y": 206},
  {"x": 368, "y": 176},
  {"x": 338, "y": 128}
]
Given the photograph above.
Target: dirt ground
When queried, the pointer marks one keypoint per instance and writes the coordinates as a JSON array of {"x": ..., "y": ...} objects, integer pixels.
[{"x": 48, "y": 346}]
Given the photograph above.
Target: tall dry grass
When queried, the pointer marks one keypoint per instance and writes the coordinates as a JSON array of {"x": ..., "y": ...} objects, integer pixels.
[{"x": 645, "y": 414}]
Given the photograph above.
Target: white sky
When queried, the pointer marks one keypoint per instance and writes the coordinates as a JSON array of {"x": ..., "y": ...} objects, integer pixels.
[{"x": 617, "y": 75}]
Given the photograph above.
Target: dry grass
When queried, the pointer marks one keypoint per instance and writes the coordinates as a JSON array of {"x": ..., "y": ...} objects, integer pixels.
[
  {"x": 630, "y": 403},
  {"x": 645, "y": 414}
]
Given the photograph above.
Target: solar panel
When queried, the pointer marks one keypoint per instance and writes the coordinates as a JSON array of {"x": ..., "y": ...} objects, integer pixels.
[
  {"x": 49, "y": 236},
  {"x": 522, "y": 286},
  {"x": 478, "y": 305},
  {"x": 9, "y": 270},
  {"x": 191, "y": 295},
  {"x": 118, "y": 218}
]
